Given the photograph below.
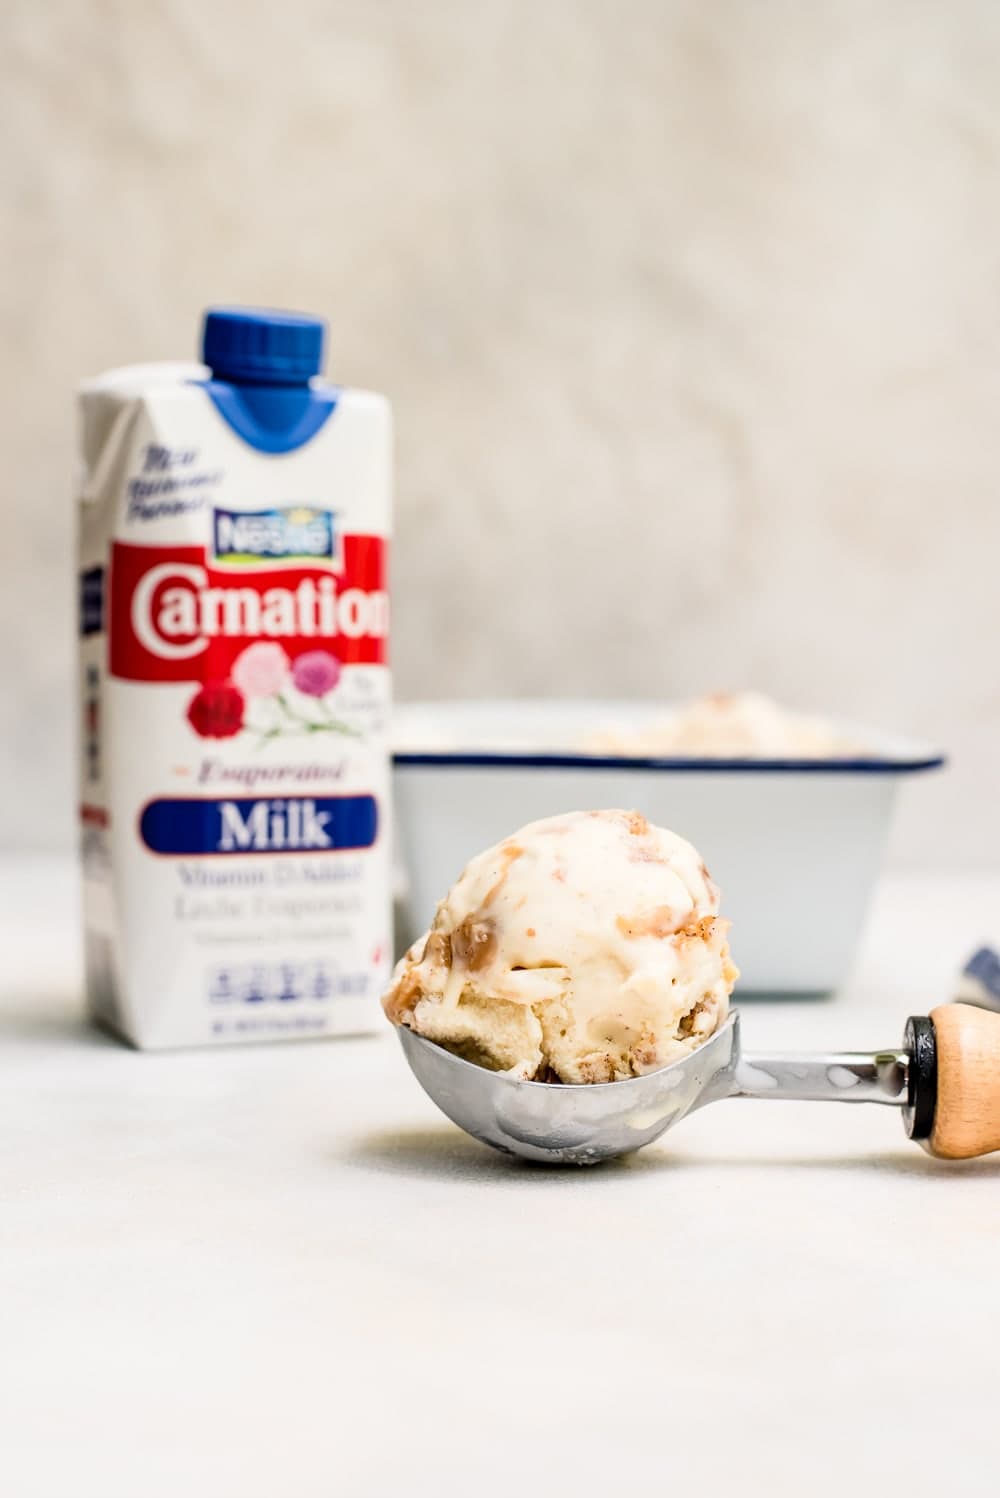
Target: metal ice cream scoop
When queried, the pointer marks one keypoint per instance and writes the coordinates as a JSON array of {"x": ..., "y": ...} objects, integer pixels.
[{"x": 945, "y": 1077}]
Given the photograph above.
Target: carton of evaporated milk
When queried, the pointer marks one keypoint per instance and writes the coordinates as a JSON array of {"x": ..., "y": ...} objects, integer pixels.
[{"x": 234, "y": 521}]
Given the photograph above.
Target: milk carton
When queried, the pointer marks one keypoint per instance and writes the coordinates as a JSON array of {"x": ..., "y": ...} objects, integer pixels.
[{"x": 234, "y": 624}]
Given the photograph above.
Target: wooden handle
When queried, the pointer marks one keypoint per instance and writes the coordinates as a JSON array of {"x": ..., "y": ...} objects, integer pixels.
[{"x": 967, "y": 1115}]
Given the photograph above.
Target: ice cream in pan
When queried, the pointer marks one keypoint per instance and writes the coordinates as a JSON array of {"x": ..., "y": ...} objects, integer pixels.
[{"x": 570, "y": 1002}]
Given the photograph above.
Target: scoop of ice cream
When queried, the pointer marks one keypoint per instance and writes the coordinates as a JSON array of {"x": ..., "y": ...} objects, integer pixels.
[
  {"x": 584, "y": 948},
  {"x": 727, "y": 724}
]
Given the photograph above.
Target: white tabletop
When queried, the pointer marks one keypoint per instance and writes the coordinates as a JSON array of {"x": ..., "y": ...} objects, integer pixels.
[{"x": 278, "y": 1271}]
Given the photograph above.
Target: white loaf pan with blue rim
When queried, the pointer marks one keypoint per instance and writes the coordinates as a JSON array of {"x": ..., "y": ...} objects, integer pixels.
[{"x": 794, "y": 844}]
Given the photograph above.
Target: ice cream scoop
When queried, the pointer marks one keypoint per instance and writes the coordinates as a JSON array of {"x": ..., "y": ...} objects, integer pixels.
[
  {"x": 570, "y": 1004},
  {"x": 584, "y": 949},
  {"x": 945, "y": 1078}
]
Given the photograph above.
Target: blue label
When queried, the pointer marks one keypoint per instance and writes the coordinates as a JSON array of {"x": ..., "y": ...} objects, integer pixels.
[
  {"x": 293, "y": 534},
  {"x": 92, "y": 601},
  {"x": 275, "y": 824}
]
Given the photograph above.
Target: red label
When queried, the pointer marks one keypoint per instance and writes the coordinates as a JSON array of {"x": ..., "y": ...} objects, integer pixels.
[{"x": 174, "y": 617}]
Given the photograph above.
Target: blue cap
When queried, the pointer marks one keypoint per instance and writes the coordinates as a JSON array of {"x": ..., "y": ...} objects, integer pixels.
[{"x": 272, "y": 348}]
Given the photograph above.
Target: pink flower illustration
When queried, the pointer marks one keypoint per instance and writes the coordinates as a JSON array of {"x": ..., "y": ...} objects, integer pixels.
[
  {"x": 316, "y": 672},
  {"x": 261, "y": 670}
]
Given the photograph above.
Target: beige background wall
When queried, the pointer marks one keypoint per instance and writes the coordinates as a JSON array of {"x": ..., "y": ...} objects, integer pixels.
[{"x": 690, "y": 312}]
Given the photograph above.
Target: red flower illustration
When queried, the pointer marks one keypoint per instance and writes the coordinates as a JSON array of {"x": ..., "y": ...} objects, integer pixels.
[{"x": 216, "y": 710}]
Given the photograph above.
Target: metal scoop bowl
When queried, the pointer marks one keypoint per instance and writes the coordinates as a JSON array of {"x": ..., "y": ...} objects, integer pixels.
[{"x": 562, "y": 1124}]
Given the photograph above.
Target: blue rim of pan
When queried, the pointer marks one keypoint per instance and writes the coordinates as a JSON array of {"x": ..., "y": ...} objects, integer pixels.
[{"x": 462, "y": 759}]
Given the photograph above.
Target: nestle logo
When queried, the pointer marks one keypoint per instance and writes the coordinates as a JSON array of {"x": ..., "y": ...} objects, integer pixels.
[{"x": 293, "y": 534}]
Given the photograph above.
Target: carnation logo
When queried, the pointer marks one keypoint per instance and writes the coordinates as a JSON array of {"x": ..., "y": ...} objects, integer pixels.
[
  {"x": 176, "y": 617},
  {"x": 293, "y": 534}
]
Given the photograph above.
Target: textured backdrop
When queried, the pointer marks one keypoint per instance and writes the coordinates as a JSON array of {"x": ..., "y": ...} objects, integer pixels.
[{"x": 690, "y": 314}]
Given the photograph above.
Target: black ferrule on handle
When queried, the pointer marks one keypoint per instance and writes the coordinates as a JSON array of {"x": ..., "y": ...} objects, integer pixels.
[{"x": 921, "y": 1098}]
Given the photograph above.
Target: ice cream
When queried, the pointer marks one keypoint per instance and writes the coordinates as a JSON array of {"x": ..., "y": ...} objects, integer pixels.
[
  {"x": 736, "y": 725},
  {"x": 719, "y": 725},
  {"x": 585, "y": 948}
]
